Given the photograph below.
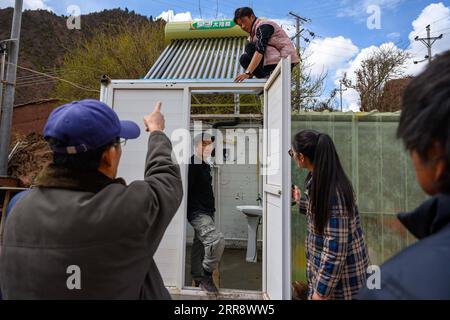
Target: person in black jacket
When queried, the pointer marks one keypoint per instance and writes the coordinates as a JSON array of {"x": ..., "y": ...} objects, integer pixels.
[
  {"x": 422, "y": 271},
  {"x": 81, "y": 232},
  {"x": 209, "y": 243}
]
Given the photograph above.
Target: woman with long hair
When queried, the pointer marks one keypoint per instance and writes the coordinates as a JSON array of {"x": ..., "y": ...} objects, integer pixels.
[{"x": 336, "y": 252}]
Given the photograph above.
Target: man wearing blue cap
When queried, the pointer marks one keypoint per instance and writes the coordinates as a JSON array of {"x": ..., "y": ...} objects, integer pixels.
[{"x": 82, "y": 233}]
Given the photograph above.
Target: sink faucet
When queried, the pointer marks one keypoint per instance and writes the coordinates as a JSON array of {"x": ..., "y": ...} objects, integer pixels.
[{"x": 259, "y": 200}]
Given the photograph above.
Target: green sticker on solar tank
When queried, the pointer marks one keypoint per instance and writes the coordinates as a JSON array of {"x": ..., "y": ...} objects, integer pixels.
[{"x": 214, "y": 24}]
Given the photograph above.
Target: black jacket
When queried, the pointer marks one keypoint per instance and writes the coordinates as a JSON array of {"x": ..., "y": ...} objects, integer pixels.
[
  {"x": 108, "y": 229},
  {"x": 422, "y": 271},
  {"x": 200, "y": 190}
]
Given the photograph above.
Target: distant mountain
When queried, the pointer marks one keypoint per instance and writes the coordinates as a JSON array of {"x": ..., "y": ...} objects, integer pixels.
[{"x": 45, "y": 39}]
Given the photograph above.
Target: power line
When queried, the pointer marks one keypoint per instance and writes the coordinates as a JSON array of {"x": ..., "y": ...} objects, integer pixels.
[
  {"x": 51, "y": 72},
  {"x": 446, "y": 17},
  {"x": 443, "y": 29},
  {"x": 34, "y": 76},
  {"x": 435, "y": 21},
  {"x": 34, "y": 80},
  {"x": 41, "y": 82},
  {"x": 59, "y": 79}
]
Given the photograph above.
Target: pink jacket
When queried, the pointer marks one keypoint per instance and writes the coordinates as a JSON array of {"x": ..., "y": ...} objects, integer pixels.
[{"x": 280, "y": 46}]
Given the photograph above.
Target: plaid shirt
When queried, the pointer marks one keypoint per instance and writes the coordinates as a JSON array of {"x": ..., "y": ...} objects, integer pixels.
[{"x": 337, "y": 260}]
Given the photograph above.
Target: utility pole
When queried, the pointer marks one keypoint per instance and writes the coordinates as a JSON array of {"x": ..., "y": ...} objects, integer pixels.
[
  {"x": 428, "y": 42},
  {"x": 298, "y": 33},
  {"x": 341, "y": 90},
  {"x": 10, "y": 84}
]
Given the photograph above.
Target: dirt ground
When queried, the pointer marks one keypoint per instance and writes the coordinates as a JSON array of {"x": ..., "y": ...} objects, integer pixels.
[{"x": 31, "y": 156}]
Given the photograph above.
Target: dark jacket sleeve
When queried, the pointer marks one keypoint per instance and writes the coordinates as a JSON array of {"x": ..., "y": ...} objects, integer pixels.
[
  {"x": 163, "y": 178},
  {"x": 263, "y": 35},
  {"x": 191, "y": 177}
]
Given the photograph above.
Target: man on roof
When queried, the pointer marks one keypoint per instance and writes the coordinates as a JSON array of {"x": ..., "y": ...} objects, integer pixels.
[{"x": 268, "y": 44}]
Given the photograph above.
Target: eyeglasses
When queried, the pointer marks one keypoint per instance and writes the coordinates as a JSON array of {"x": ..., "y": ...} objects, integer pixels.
[
  {"x": 121, "y": 142},
  {"x": 291, "y": 153}
]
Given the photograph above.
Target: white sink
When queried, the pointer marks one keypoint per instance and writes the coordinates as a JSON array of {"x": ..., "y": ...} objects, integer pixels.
[
  {"x": 254, "y": 215},
  {"x": 252, "y": 211}
]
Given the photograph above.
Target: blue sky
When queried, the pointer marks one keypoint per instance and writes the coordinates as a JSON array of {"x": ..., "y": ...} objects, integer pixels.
[{"x": 343, "y": 37}]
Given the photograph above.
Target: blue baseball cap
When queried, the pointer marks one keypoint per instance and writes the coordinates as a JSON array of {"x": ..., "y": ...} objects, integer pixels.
[{"x": 86, "y": 125}]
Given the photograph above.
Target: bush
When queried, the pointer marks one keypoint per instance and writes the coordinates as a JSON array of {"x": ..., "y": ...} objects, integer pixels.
[{"x": 126, "y": 51}]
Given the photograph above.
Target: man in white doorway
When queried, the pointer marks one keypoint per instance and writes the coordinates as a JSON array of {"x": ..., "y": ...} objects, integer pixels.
[{"x": 209, "y": 243}]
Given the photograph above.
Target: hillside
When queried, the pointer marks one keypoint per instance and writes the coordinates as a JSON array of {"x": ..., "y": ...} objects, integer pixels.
[{"x": 45, "y": 39}]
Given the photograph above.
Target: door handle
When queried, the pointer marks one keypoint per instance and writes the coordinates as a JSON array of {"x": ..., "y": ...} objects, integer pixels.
[{"x": 273, "y": 190}]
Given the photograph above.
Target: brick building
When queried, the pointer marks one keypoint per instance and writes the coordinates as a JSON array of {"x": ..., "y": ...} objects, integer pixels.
[{"x": 31, "y": 117}]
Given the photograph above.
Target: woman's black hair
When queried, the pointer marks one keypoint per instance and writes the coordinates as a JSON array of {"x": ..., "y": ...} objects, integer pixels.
[
  {"x": 425, "y": 117},
  {"x": 243, "y": 12},
  {"x": 328, "y": 179}
]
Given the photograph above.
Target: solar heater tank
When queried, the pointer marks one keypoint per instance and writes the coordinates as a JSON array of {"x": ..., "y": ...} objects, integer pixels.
[{"x": 202, "y": 30}]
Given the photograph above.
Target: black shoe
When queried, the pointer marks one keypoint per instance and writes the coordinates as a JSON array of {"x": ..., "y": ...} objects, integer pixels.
[
  {"x": 197, "y": 283},
  {"x": 207, "y": 284}
]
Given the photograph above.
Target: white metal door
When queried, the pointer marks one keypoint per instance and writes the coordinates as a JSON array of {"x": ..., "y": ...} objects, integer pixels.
[
  {"x": 277, "y": 183},
  {"x": 132, "y": 102}
]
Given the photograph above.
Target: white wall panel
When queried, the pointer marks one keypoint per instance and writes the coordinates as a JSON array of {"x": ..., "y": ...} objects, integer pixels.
[{"x": 134, "y": 104}]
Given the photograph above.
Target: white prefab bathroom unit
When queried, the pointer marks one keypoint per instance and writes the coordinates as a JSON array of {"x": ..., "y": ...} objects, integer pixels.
[{"x": 132, "y": 99}]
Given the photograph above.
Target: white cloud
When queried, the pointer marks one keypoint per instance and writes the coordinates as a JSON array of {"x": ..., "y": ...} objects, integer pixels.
[
  {"x": 394, "y": 35},
  {"x": 171, "y": 16},
  {"x": 438, "y": 16},
  {"x": 28, "y": 4},
  {"x": 329, "y": 54},
  {"x": 287, "y": 26}
]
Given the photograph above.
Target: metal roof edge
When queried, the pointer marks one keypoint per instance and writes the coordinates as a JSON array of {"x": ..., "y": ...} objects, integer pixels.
[
  {"x": 174, "y": 81},
  {"x": 348, "y": 116}
]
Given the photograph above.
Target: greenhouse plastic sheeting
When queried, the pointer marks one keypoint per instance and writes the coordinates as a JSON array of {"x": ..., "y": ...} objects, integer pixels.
[{"x": 381, "y": 173}]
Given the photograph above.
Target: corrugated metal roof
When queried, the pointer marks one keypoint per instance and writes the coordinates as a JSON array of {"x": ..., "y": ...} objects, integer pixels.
[{"x": 200, "y": 59}]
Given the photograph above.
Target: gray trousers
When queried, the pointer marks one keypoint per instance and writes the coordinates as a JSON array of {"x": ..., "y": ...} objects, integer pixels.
[{"x": 207, "y": 248}]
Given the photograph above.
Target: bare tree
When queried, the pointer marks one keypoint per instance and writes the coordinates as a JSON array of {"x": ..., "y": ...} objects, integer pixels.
[
  {"x": 311, "y": 87},
  {"x": 327, "y": 104},
  {"x": 383, "y": 65}
]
